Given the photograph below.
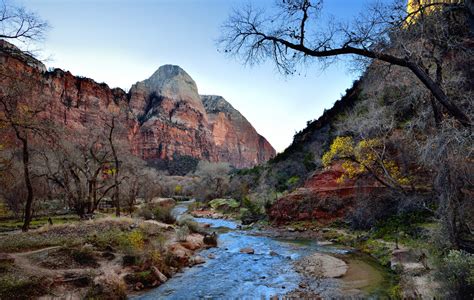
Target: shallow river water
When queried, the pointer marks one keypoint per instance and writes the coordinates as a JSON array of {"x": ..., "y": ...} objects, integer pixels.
[{"x": 235, "y": 275}]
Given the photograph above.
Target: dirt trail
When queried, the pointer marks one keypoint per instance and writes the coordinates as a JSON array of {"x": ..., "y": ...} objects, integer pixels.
[{"x": 30, "y": 266}]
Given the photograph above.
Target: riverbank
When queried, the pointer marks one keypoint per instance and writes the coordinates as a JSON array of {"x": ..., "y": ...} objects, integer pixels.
[
  {"x": 406, "y": 263},
  {"x": 147, "y": 259},
  {"x": 251, "y": 261},
  {"x": 108, "y": 257}
]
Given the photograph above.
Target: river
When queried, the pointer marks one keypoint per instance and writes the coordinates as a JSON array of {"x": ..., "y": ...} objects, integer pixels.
[{"x": 268, "y": 272}]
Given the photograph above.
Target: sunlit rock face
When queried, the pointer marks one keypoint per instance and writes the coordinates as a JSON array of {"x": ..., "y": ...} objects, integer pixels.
[
  {"x": 172, "y": 118},
  {"x": 234, "y": 137},
  {"x": 164, "y": 115}
]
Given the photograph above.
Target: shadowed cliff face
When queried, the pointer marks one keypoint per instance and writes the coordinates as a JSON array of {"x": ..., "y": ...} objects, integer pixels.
[{"x": 164, "y": 114}]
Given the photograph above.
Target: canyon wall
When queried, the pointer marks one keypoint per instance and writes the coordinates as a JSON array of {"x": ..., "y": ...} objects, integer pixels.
[{"x": 164, "y": 115}]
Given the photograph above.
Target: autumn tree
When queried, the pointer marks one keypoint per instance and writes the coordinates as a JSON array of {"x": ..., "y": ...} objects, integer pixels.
[
  {"x": 295, "y": 34},
  {"x": 434, "y": 153},
  {"x": 366, "y": 156}
]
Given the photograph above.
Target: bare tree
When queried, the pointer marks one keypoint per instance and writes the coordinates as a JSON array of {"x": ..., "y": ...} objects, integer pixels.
[
  {"x": 297, "y": 33},
  {"x": 21, "y": 116},
  {"x": 437, "y": 154},
  {"x": 20, "y": 24},
  {"x": 115, "y": 145},
  {"x": 214, "y": 179},
  {"x": 135, "y": 180}
]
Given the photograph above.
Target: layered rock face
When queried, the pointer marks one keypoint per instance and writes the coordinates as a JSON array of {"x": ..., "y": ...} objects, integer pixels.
[
  {"x": 175, "y": 120},
  {"x": 172, "y": 118},
  {"x": 164, "y": 115},
  {"x": 235, "y": 138},
  {"x": 322, "y": 197}
]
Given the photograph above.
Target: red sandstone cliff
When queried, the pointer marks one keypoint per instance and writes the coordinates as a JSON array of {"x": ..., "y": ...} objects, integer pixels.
[
  {"x": 164, "y": 114},
  {"x": 322, "y": 197},
  {"x": 235, "y": 138}
]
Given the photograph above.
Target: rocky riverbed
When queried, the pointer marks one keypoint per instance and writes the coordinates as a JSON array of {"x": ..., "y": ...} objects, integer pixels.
[{"x": 247, "y": 263}]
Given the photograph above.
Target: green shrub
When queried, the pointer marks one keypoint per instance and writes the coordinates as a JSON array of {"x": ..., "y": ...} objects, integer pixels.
[
  {"x": 182, "y": 233},
  {"x": 309, "y": 161},
  {"x": 132, "y": 243},
  {"x": 251, "y": 211},
  {"x": 163, "y": 214},
  {"x": 192, "y": 225},
  {"x": 84, "y": 256},
  {"x": 113, "y": 237},
  {"x": 20, "y": 287},
  {"x": 145, "y": 277},
  {"x": 145, "y": 212},
  {"x": 292, "y": 182},
  {"x": 224, "y": 203},
  {"x": 378, "y": 250},
  {"x": 456, "y": 272},
  {"x": 108, "y": 286},
  {"x": 196, "y": 205}
]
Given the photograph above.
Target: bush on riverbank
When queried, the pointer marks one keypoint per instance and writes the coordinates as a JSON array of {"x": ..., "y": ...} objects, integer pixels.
[{"x": 456, "y": 273}]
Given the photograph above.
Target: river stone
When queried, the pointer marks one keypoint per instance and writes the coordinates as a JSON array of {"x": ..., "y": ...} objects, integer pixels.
[
  {"x": 247, "y": 250},
  {"x": 325, "y": 243},
  {"x": 321, "y": 266},
  {"x": 160, "y": 276},
  {"x": 139, "y": 286},
  {"x": 163, "y": 202},
  {"x": 197, "y": 260},
  {"x": 158, "y": 225}
]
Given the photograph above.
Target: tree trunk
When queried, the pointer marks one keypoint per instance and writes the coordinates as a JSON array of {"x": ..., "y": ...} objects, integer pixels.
[
  {"x": 429, "y": 83},
  {"x": 449, "y": 204},
  {"x": 90, "y": 197},
  {"x": 116, "y": 195},
  {"x": 29, "y": 187},
  {"x": 439, "y": 94}
]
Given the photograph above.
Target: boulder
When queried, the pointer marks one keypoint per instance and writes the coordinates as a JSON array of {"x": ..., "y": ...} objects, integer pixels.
[
  {"x": 193, "y": 241},
  {"x": 155, "y": 227},
  {"x": 160, "y": 276},
  {"x": 210, "y": 239},
  {"x": 247, "y": 250},
  {"x": 181, "y": 254},
  {"x": 320, "y": 265},
  {"x": 163, "y": 202},
  {"x": 197, "y": 260},
  {"x": 139, "y": 286}
]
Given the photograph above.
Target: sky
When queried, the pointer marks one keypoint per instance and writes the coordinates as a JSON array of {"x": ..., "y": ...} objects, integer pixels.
[{"x": 120, "y": 42}]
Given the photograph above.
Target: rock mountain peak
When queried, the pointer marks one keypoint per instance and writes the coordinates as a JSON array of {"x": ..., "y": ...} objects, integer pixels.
[
  {"x": 165, "y": 116},
  {"x": 172, "y": 81}
]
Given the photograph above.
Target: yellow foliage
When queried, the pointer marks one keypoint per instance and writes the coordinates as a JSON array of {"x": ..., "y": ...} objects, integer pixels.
[
  {"x": 178, "y": 189},
  {"x": 414, "y": 8},
  {"x": 342, "y": 146},
  {"x": 136, "y": 240},
  {"x": 361, "y": 158},
  {"x": 155, "y": 257}
]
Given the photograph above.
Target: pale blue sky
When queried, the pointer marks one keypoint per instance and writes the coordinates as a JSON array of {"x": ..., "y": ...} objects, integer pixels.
[{"x": 121, "y": 42}]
